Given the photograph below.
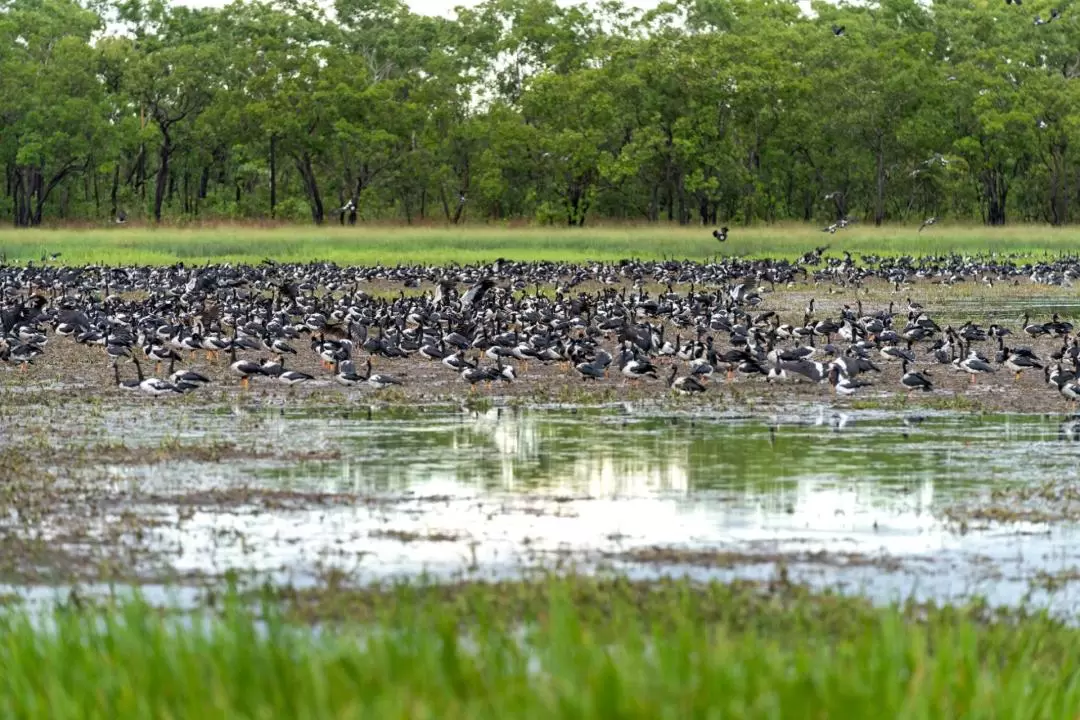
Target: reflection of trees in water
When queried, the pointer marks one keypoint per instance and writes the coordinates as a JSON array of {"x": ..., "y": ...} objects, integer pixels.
[{"x": 866, "y": 464}]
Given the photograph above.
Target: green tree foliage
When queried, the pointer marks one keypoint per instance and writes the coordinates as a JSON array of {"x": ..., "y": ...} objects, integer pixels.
[{"x": 696, "y": 111}]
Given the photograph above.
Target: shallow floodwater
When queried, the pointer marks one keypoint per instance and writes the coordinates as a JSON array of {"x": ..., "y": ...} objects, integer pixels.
[{"x": 885, "y": 503}]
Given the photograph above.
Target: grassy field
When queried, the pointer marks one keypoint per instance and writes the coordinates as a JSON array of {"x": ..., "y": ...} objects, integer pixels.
[
  {"x": 668, "y": 651},
  {"x": 392, "y": 245}
]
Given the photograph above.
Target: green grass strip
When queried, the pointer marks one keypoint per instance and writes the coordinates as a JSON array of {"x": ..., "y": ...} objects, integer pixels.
[
  {"x": 588, "y": 650},
  {"x": 471, "y": 244}
]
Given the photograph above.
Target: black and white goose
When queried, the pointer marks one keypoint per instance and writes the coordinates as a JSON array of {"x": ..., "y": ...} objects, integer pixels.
[
  {"x": 591, "y": 370},
  {"x": 1018, "y": 362},
  {"x": 974, "y": 365},
  {"x": 186, "y": 380},
  {"x": 345, "y": 374},
  {"x": 1033, "y": 329},
  {"x": 842, "y": 384},
  {"x": 154, "y": 386},
  {"x": 813, "y": 371},
  {"x": 246, "y": 369},
  {"x": 474, "y": 375},
  {"x": 290, "y": 377},
  {"x": 458, "y": 362},
  {"x": 124, "y": 384},
  {"x": 912, "y": 380},
  {"x": 159, "y": 354},
  {"x": 637, "y": 369},
  {"x": 683, "y": 385},
  {"x": 1071, "y": 390},
  {"x": 895, "y": 352},
  {"x": 380, "y": 381}
]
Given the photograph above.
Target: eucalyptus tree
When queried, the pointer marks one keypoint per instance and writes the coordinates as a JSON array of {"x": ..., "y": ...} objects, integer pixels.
[{"x": 51, "y": 103}]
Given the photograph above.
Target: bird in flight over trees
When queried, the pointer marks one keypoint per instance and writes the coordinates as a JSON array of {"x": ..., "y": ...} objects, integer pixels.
[
  {"x": 838, "y": 30},
  {"x": 928, "y": 222},
  {"x": 720, "y": 234}
]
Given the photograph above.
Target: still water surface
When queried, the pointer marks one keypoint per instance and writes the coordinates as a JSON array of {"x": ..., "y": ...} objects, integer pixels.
[{"x": 877, "y": 502}]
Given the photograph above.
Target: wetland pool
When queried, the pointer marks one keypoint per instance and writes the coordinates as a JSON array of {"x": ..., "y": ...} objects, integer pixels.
[{"x": 923, "y": 504}]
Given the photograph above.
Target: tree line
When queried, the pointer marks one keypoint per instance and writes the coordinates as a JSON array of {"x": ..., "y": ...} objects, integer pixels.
[{"x": 698, "y": 111}]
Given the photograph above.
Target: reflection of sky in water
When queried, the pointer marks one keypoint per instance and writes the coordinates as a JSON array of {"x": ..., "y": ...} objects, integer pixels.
[{"x": 513, "y": 485}]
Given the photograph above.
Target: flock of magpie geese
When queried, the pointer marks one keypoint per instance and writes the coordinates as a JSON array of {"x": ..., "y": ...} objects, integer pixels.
[{"x": 669, "y": 324}]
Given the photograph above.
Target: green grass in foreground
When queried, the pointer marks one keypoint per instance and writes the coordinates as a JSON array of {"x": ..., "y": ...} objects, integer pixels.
[
  {"x": 673, "y": 650},
  {"x": 389, "y": 245}
]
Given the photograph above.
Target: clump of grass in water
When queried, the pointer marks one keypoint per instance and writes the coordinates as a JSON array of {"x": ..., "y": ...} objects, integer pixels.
[{"x": 795, "y": 655}]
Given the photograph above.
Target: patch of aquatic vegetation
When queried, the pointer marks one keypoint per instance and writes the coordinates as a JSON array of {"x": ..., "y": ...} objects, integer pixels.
[{"x": 1046, "y": 502}]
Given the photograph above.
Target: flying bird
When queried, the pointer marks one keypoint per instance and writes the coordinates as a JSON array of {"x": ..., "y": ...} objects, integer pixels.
[
  {"x": 720, "y": 234},
  {"x": 928, "y": 222},
  {"x": 838, "y": 30}
]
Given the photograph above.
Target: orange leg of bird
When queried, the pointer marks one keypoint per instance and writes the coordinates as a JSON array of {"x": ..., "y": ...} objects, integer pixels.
[
  {"x": 730, "y": 374},
  {"x": 973, "y": 379}
]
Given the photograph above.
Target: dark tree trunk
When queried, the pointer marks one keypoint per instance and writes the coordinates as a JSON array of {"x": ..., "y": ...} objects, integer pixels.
[
  {"x": 996, "y": 191},
  {"x": 577, "y": 201},
  {"x": 357, "y": 189},
  {"x": 140, "y": 182},
  {"x": 1059, "y": 192},
  {"x": 311, "y": 187},
  {"x": 163, "y": 172},
  {"x": 97, "y": 195},
  {"x": 273, "y": 175},
  {"x": 115, "y": 190},
  {"x": 445, "y": 204},
  {"x": 204, "y": 182},
  {"x": 879, "y": 197}
]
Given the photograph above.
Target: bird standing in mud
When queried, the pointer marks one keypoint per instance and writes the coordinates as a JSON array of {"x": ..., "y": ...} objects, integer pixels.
[
  {"x": 912, "y": 380},
  {"x": 683, "y": 385}
]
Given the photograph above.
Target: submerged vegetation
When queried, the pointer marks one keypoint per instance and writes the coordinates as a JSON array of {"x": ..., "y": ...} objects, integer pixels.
[
  {"x": 720, "y": 112},
  {"x": 584, "y": 649}
]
